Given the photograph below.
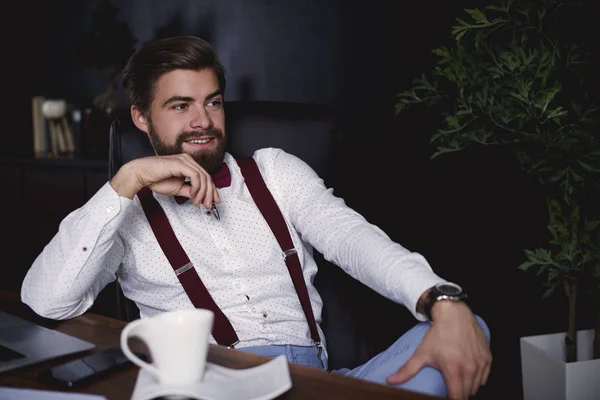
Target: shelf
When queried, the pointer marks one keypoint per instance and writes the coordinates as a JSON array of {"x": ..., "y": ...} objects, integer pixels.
[{"x": 60, "y": 162}]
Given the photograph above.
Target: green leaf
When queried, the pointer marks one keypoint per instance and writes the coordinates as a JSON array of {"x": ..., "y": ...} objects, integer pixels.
[
  {"x": 460, "y": 35},
  {"x": 499, "y": 83},
  {"x": 526, "y": 265},
  {"x": 578, "y": 178},
  {"x": 399, "y": 108},
  {"x": 530, "y": 254},
  {"x": 478, "y": 16},
  {"x": 542, "y": 269},
  {"x": 548, "y": 292},
  {"x": 441, "y": 51},
  {"x": 588, "y": 167},
  {"x": 461, "y": 23},
  {"x": 519, "y": 97},
  {"x": 591, "y": 226},
  {"x": 553, "y": 274},
  {"x": 557, "y": 175}
]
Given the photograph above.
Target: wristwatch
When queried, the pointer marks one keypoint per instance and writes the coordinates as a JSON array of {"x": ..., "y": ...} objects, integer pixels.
[{"x": 442, "y": 291}]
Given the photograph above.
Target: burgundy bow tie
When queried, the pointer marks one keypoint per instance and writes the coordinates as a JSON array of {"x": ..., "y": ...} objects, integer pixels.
[{"x": 221, "y": 178}]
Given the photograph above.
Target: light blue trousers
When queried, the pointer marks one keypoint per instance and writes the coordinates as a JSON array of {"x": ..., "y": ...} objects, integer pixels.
[{"x": 429, "y": 380}]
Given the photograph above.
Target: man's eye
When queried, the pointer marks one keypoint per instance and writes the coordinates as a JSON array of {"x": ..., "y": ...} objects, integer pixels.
[
  {"x": 215, "y": 103},
  {"x": 180, "y": 107}
]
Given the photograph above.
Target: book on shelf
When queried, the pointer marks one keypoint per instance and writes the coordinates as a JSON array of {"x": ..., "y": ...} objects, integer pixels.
[
  {"x": 69, "y": 137},
  {"x": 52, "y": 134},
  {"x": 40, "y": 133}
]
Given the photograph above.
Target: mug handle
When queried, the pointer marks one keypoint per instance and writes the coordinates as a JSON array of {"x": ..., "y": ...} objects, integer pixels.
[{"x": 125, "y": 334}]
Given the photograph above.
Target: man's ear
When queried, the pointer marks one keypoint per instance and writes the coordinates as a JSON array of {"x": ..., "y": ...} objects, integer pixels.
[{"x": 139, "y": 119}]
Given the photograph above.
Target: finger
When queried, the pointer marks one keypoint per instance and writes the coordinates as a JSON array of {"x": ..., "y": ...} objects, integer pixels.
[
  {"x": 189, "y": 161},
  {"x": 486, "y": 373},
  {"x": 407, "y": 371},
  {"x": 195, "y": 183},
  {"x": 216, "y": 197},
  {"x": 209, "y": 194},
  {"x": 199, "y": 183},
  {"x": 476, "y": 384},
  {"x": 184, "y": 168},
  {"x": 469, "y": 374},
  {"x": 454, "y": 390},
  {"x": 454, "y": 384},
  {"x": 205, "y": 192},
  {"x": 192, "y": 182},
  {"x": 200, "y": 196}
]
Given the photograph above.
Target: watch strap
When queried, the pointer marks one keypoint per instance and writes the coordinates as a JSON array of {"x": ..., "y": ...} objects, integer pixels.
[{"x": 436, "y": 295}]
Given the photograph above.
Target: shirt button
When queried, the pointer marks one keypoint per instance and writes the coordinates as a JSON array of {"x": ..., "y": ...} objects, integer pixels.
[
  {"x": 237, "y": 285},
  {"x": 263, "y": 327},
  {"x": 253, "y": 309},
  {"x": 226, "y": 250}
]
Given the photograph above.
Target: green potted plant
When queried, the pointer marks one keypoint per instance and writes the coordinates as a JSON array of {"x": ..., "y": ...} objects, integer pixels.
[{"x": 521, "y": 74}]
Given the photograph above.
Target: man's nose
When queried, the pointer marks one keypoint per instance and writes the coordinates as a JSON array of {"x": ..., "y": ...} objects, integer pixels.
[{"x": 200, "y": 119}]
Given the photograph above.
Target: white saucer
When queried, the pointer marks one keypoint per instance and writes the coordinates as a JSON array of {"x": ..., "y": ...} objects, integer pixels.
[{"x": 263, "y": 382}]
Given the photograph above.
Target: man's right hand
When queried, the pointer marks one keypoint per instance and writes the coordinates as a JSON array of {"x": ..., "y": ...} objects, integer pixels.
[{"x": 166, "y": 175}]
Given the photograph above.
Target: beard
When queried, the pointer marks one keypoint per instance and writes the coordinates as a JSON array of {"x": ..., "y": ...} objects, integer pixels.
[{"x": 210, "y": 160}]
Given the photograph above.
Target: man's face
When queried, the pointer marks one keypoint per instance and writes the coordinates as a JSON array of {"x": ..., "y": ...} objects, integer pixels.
[{"x": 187, "y": 116}]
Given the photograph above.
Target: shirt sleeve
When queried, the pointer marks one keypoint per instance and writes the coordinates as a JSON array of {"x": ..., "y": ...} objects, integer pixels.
[
  {"x": 80, "y": 260},
  {"x": 342, "y": 235}
]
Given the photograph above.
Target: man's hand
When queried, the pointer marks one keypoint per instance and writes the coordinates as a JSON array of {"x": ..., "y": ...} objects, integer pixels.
[
  {"x": 457, "y": 346},
  {"x": 166, "y": 175}
]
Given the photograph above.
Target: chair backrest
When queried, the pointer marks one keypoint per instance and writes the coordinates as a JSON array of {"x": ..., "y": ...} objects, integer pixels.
[{"x": 309, "y": 132}]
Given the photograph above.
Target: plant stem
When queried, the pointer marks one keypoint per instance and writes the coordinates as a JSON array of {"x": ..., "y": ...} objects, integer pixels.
[{"x": 570, "y": 286}]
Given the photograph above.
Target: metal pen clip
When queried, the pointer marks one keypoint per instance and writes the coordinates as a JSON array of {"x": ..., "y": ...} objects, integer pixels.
[{"x": 215, "y": 212}]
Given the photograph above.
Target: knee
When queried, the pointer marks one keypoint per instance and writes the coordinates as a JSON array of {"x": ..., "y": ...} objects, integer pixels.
[{"x": 428, "y": 381}]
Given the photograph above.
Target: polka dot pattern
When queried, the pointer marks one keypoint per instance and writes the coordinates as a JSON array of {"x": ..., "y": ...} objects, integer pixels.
[{"x": 237, "y": 258}]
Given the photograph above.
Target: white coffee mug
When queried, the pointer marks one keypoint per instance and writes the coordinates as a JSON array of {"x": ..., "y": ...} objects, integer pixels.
[{"x": 177, "y": 342}]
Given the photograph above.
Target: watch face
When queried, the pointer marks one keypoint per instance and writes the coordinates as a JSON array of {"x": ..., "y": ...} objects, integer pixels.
[{"x": 449, "y": 289}]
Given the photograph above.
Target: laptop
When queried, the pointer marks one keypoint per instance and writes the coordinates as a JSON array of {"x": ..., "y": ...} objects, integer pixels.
[{"x": 24, "y": 343}]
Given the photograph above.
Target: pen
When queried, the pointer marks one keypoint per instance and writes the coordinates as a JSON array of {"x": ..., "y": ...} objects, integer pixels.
[{"x": 215, "y": 212}]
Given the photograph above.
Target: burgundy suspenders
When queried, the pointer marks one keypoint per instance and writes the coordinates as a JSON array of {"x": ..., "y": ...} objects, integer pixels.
[
  {"x": 222, "y": 330},
  {"x": 272, "y": 214}
]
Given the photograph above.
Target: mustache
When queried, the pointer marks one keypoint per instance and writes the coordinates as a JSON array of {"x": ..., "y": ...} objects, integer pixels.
[{"x": 210, "y": 132}]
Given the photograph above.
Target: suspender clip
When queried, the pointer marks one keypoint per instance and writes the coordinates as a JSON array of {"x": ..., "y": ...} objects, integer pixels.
[
  {"x": 288, "y": 253},
  {"x": 232, "y": 345},
  {"x": 319, "y": 349},
  {"x": 184, "y": 268}
]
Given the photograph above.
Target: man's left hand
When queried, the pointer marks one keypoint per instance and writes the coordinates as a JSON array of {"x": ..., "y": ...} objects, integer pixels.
[{"x": 456, "y": 345}]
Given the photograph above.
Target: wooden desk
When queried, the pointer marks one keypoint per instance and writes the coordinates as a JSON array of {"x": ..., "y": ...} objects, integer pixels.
[{"x": 308, "y": 383}]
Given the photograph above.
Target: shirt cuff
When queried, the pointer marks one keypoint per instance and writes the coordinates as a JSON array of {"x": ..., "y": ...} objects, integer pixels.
[
  {"x": 106, "y": 205},
  {"x": 418, "y": 283}
]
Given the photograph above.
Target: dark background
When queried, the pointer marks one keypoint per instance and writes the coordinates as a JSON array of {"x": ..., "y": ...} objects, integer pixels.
[{"x": 470, "y": 214}]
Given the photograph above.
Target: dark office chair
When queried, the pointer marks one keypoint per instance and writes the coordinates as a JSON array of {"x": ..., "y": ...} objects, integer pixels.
[{"x": 309, "y": 132}]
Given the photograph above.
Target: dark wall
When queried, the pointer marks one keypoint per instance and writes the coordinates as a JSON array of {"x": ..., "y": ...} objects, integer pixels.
[
  {"x": 352, "y": 55},
  {"x": 470, "y": 214}
]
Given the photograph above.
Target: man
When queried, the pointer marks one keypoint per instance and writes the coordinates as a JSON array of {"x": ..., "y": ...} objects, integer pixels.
[{"x": 176, "y": 89}]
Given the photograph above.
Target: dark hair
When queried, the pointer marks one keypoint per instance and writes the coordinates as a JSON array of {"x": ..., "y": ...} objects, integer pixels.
[{"x": 154, "y": 59}]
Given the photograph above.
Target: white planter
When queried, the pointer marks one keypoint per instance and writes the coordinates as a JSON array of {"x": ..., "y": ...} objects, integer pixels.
[{"x": 546, "y": 374}]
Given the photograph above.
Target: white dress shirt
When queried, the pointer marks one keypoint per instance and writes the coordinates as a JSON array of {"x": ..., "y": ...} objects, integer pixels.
[{"x": 237, "y": 258}]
